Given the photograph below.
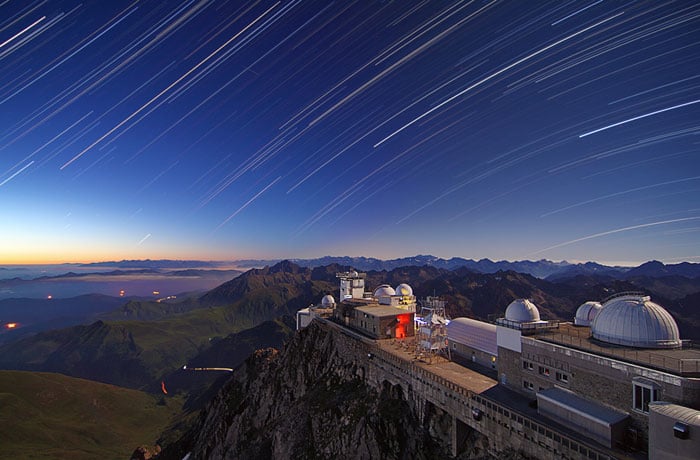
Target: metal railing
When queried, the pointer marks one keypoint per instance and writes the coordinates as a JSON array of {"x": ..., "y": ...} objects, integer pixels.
[{"x": 580, "y": 339}]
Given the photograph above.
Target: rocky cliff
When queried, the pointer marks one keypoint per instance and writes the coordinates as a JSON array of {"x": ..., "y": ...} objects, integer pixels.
[{"x": 310, "y": 401}]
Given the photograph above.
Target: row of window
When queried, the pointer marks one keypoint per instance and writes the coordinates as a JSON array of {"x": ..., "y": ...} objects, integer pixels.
[
  {"x": 583, "y": 451},
  {"x": 546, "y": 372}
]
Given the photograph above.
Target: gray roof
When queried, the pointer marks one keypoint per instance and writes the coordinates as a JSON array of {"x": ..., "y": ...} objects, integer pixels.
[
  {"x": 382, "y": 311},
  {"x": 474, "y": 334},
  {"x": 635, "y": 321},
  {"x": 680, "y": 413},
  {"x": 585, "y": 407}
]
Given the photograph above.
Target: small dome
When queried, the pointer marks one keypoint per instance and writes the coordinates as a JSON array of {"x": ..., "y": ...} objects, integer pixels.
[
  {"x": 635, "y": 321},
  {"x": 328, "y": 301},
  {"x": 383, "y": 291},
  {"x": 586, "y": 313},
  {"x": 404, "y": 289},
  {"x": 522, "y": 311}
]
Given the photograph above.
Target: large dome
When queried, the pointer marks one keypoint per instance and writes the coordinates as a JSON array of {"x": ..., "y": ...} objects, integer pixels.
[
  {"x": 328, "y": 301},
  {"x": 404, "y": 289},
  {"x": 383, "y": 291},
  {"x": 522, "y": 311},
  {"x": 635, "y": 321},
  {"x": 586, "y": 313}
]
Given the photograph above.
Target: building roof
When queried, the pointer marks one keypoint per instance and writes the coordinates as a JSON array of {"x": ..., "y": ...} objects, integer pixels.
[
  {"x": 683, "y": 361},
  {"x": 381, "y": 311},
  {"x": 474, "y": 334},
  {"x": 581, "y": 406},
  {"x": 635, "y": 321},
  {"x": 522, "y": 311},
  {"x": 680, "y": 413}
]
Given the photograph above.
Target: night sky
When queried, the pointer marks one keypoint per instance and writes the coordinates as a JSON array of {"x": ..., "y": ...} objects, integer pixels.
[{"x": 227, "y": 129}]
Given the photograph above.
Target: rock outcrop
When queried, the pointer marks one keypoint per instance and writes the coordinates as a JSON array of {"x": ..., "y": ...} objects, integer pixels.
[{"x": 307, "y": 402}]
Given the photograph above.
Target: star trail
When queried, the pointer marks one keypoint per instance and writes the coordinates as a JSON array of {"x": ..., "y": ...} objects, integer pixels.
[{"x": 223, "y": 130}]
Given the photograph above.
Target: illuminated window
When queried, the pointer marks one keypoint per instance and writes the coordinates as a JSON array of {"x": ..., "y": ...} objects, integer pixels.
[{"x": 642, "y": 395}]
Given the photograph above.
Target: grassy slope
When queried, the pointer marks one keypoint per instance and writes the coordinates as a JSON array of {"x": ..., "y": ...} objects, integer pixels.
[{"x": 44, "y": 415}]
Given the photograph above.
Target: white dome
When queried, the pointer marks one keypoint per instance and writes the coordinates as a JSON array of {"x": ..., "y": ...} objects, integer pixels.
[
  {"x": 328, "y": 301},
  {"x": 404, "y": 289},
  {"x": 586, "y": 313},
  {"x": 383, "y": 291},
  {"x": 635, "y": 321},
  {"x": 522, "y": 311}
]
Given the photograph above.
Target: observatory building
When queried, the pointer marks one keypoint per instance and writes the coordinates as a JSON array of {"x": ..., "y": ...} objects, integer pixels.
[
  {"x": 618, "y": 379},
  {"x": 383, "y": 313},
  {"x": 619, "y": 374},
  {"x": 602, "y": 374}
]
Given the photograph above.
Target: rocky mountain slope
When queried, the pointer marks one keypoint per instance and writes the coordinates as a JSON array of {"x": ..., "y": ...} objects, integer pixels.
[{"x": 310, "y": 401}]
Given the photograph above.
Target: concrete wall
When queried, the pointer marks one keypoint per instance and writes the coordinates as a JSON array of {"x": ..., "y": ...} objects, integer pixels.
[
  {"x": 663, "y": 445},
  {"x": 605, "y": 380},
  {"x": 472, "y": 354}
]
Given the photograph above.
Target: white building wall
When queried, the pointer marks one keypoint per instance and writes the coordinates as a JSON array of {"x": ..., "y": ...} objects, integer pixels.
[{"x": 508, "y": 338}]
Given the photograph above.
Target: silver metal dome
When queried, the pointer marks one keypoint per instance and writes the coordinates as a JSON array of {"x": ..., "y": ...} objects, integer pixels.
[
  {"x": 586, "y": 313},
  {"x": 328, "y": 301},
  {"x": 383, "y": 291},
  {"x": 522, "y": 311},
  {"x": 635, "y": 321},
  {"x": 404, "y": 289}
]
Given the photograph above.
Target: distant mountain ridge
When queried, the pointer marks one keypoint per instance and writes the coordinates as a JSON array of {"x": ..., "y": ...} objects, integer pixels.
[
  {"x": 544, "y": 269},
  {"x": 154, "y": 264},
  {"x": 540, "y": 269}
]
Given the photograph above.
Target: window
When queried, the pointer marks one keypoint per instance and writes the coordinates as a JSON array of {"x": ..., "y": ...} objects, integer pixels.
[
  {"x": 527, "y": 365},
  {"x": 544, "y": 371},
  {"x": 528, "y": 385},
  {"x": 562, "y": 377},
  {"x": 642, "y": 395}
]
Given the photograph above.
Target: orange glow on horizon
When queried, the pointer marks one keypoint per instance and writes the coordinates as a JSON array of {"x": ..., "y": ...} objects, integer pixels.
[{"x": 11, "y": 325}]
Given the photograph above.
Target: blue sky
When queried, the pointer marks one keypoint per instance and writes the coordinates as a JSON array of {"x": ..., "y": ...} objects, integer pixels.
[{"x": 226, "y": 130}]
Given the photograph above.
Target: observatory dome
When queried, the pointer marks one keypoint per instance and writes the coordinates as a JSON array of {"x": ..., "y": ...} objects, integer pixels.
[
  {"x": 383, "y": 291},
  {"x": 328, "y": 301},
  {"x": 586, "y": 313},
  {"x": 635, "y": 321},
  {"x": 522, "y": 311},
  {"x": 404, "y": 289}
]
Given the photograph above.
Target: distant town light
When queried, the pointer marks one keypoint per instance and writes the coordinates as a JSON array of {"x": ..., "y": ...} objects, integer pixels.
[
  {"x": 11, "y": 325},
  {"x": 49, "y": 297}
]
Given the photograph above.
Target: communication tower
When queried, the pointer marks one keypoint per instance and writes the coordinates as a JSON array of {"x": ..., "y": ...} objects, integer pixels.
[{"x": 431, "y": 328}]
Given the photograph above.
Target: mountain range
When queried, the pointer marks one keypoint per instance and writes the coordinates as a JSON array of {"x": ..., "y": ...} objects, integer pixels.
[
  {"x": 143, "y": 344},
  {"x": 539, "y": 269}
]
